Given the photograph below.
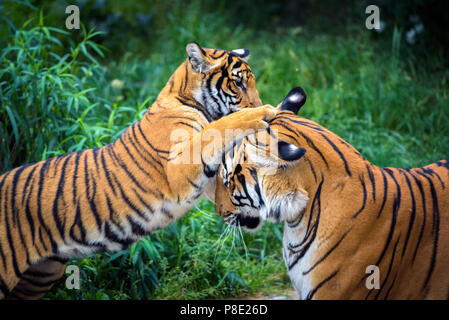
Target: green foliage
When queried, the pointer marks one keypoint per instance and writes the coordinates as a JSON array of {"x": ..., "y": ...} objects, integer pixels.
[
  {"x": 195, "y": 258},
  {"x": 45, "y": 97},
  {"x": 376, "y": 95}
]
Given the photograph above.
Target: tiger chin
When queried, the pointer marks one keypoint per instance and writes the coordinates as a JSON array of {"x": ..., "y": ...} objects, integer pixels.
[
  {"x": 343, "y": 216},
  {"x": 105, "y": 199}
]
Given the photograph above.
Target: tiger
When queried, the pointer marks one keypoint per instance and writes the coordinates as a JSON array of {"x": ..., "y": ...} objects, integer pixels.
[
  {"x": 107, "y": 198},
  {"x": 352, "y": 230}
]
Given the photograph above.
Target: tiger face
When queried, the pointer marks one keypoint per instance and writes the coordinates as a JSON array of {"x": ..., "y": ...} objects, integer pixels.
[
  {"x": 256, "y": 180},
  {"x": 222, "y": 80}
]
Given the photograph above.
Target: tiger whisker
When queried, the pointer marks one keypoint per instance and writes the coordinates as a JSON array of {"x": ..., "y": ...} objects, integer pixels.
[
  {"x": 203, "y": 212},
  {"x": 243, "y": 241}
]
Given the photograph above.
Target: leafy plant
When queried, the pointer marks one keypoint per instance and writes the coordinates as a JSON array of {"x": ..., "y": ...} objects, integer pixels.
[{"x": 45, "y": 96}]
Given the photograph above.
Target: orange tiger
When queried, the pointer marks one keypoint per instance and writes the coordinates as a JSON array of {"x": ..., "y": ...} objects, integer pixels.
[
  {"x": 352, "y": 230},
  {"x": 107, "y": 198}
]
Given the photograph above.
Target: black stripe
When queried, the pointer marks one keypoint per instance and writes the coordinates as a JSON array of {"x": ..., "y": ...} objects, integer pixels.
[
  {"x": 412, "y": 214},
  {"x": 253, "y": 173},
  {"x": 391, "y": 287},
  {"x": 207, "y": 170},
  {"x": 186, "y": 77},
  {"x": 3, "y": 257},
  {"x": 396, "y": 205},
  {"x": 58, "y": 259},
  {"x": 15, "y": 210},
  {"x": 95, "y": 154},
  {"x": 219, "y": 113},
  {"x": 198, "y": 107},
  {"x": 138, "y": 146},
  {"x": 124, "y": 197},
  {"x": 339, "y": 153},
  {"x": 150, "y": 145},
  {"x": 107, "y": 172},
  {"x": 39, "y": 273},
  {"x": 27, "y": 183},
  {"x": 362, "y": 180},
  {"x": 112, "y": 212},
  {"x": 39, "y": 284},
  {"x": 122, "y": 165},
  {"x": 91, "y": 199},
  {"x": 385, "y": 193},
  {"x": 327, "y": 253},
  {"x": 42, "y": 239},
  {"x": 423, "y": 199},
  {"x": 372, "y": 179},
  {"x": 197, "y": 187},
  {"x": 308, "y": 141},
  {"x": 308, "y": 239},
  {"x": 3, "y": 288},
  {"x": 28, "y": 211},
  {"x": 15, "y": 180},
  {"x": 188, "y": 125},
  {"x": 241, "y": 178},
  {"x": 78, "y": 222},
  {"x": 75, "y": 175},
  {"x": 112, "y": 236},
  {"x": 435, "y": 229},
  {"x": 389, "y": 270},
  {"x": 311, "y": 167},
  {"x": 145, "y": 205},
  {"x": 135, "y": 227},
  {"x": 9, "y": 238},
  {"x": 59, "y": 194},
  {"x": 136, "y": 163},
  {"x": 313, "y": 292}
]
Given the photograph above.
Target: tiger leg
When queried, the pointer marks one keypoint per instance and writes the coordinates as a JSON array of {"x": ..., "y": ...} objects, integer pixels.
[
  {"x": 217, "y": 138},
  {"x": 38, "y": 279}
]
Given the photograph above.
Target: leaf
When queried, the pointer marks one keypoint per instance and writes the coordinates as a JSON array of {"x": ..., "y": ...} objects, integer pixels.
[{"x": 13, "y": 124}]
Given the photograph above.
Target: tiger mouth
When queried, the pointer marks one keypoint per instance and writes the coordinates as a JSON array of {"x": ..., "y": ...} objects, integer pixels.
[{"x": 247, "y": 222}]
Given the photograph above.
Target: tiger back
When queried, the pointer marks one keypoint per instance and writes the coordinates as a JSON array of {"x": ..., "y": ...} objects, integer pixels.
[{"x": 352, "y": 230}]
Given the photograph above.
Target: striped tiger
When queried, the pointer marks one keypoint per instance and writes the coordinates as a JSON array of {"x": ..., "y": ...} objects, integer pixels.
[
  {"x": 105, "y": 199},
  {"x": 352, "y": 230}
]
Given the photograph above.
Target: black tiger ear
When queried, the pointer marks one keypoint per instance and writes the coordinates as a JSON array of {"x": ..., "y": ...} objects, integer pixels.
[
  {"x": 294, "y": 100},
  {"x": 290, "y": 152},
  {"x": 198, "y": 58},
  {"x": 241, "y": 53}
]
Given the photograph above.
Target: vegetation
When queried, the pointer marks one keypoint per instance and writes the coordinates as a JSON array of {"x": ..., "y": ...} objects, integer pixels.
[{"x": 60, "y": 91}]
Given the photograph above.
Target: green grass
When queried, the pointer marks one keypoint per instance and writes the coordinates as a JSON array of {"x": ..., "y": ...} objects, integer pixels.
[{"x": 392, "y": 106}]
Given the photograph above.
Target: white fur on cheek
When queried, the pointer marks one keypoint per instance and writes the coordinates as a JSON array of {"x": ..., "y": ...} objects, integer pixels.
[{"x": 295, "y": 206}]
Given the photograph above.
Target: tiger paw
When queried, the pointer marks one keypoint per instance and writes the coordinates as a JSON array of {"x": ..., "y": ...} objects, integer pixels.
[{"x": 247, "y": 119}]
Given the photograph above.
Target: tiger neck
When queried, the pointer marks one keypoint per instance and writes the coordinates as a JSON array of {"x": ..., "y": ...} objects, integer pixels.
[{"x": 179, "y": 92}]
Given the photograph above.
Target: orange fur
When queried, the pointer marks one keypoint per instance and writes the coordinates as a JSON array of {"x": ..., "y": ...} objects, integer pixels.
[
  {"x": 107, "y": 198},
  {"x": 355, "y": 214}
]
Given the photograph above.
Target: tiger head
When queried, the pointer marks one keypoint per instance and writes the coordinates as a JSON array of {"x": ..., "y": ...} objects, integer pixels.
[
  {"x": 257, "y": 179},
  {"x": 217, "y": 81}
]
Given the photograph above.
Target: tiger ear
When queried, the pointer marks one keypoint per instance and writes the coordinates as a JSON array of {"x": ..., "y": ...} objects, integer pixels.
[
  {"x": 241, "y": 53},
  {"x": 294, "y": 100},
  {"x": 198, "y": 58},
  {"x": 290, "y": 152}
]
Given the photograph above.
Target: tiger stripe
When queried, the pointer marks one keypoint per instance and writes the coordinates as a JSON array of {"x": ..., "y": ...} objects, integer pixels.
[
  {"x": 104, "y": 199},
  {"x": 350, "y": 214}
]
